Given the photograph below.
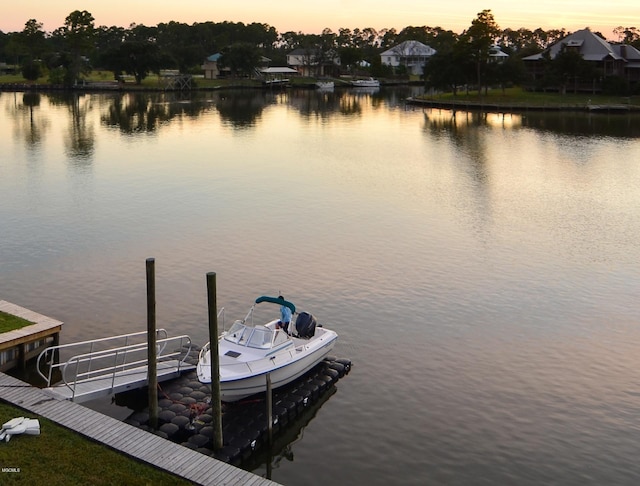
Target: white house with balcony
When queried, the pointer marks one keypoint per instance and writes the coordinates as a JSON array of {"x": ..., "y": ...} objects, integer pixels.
[
  {"x": 411, "y": 54},
  {"x": 497, "y": 55}
]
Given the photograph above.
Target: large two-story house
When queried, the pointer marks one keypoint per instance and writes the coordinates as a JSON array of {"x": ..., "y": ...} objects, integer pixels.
[
  {"x": 213, "y": 70},
  {"x": 313, "y": 62},
  {"x": 413, "y": 55},
  {"x": 609, "y": 59}
]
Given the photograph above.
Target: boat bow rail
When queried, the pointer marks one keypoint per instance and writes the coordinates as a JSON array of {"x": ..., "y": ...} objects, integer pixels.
[{"x": 104, "y": 366}]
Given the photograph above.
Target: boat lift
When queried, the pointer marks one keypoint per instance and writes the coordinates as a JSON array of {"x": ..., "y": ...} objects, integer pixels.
[{"x": 104, "y": 366}]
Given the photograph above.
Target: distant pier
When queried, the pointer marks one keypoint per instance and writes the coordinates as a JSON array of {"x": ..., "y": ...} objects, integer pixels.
[
  {"x": 21, "y": 345},
  {"x": 516, "y": 107}
]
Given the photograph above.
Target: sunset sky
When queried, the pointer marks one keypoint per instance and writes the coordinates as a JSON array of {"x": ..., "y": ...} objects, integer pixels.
[{"x": 311, "y": 17}]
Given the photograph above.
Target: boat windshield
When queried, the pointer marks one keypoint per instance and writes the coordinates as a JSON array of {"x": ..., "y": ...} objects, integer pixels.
[
  {"x": 254, "y": 337},
  {"x": 260, "y": 338},
  {"x": 238, "y": 333}
]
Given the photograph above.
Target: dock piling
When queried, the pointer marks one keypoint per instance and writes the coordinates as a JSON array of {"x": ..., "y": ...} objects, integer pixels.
[
  {"x": 269, "y": 410},
  {"x": 216, "y": 403},
  {"x": 151, "y": 344}
]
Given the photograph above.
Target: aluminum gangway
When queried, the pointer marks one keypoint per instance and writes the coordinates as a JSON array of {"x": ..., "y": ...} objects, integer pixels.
[{"x": 97, "y": 368}]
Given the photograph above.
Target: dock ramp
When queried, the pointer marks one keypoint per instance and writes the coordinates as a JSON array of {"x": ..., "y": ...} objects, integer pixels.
[{"x": 98, "y": 368}]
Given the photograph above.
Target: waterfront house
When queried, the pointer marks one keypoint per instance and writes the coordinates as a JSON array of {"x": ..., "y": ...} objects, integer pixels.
[
  {"x": 413, "y": 55},
  {"x": 609, "y": 60},
  {"x": 497, "y": 55},
  {"x": 211, "y": 68},
  {"x": 314, "y": 62}
]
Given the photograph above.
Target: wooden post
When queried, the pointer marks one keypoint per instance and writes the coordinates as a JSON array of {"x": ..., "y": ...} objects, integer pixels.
[
  {"x": 22, "y": 356},
  {"x": 269, "y": 410},
  {"x": 56, "y": 354},
  {"x": 269, "y": 425},
  {"x": 216, "y": 402},
  {"x": 152, "y": 376}
]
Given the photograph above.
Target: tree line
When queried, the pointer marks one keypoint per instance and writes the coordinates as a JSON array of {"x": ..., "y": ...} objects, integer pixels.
[{"x": 80, "y": 46}]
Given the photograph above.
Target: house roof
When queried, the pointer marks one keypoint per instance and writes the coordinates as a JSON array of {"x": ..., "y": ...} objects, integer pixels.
[
  {"x": 496, "y": 52},
  {"x": 278, "y": 70},
  {"x": 410, "y": 49},
  {"x": 591, "y": 46},
  {"x": 627, "y": 52},
  {"x": 301, "y": 51}
]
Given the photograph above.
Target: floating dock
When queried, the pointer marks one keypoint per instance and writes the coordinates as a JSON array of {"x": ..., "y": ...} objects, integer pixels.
[
  {"x": 184, "y": 412},
  {"x": 185, "y": 415}
]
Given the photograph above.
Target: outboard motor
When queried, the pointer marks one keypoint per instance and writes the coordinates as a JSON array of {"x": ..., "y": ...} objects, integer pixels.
[{"x": 305, "y": 325}]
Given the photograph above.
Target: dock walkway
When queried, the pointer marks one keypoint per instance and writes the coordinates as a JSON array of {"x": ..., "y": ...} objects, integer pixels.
[
  {"x": 117, "y": 382},
  {"x": 127, "y": 439}
]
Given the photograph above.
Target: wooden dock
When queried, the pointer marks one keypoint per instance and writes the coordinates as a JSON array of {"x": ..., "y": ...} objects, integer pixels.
[
  {"x": 27, "y": 342},
  {"x": 127, "y": 439}
]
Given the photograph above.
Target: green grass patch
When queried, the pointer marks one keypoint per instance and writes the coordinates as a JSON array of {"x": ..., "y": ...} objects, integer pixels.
[
  {"x": 18, "y": 79},
  {"x": 151, "y": 82},
  {"x": 519, "y": 97},
  {"x": 10, "y": 322},
  {"x": 59, "y": 456}
]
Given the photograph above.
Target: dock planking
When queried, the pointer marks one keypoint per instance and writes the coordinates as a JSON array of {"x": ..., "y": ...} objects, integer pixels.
[{"x": 127, "y": 439}]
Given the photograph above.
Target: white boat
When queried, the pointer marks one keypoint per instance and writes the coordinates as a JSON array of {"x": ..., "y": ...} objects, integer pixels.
[
  {"x": 326, "y": 85},
  {"x": 247, "y": 352},
  {"x": 276, "y": 82},
  {"x": 366, "y": 83}
]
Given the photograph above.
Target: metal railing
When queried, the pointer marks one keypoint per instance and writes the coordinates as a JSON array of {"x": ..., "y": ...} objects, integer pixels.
[{"x": 117, "y": 357}]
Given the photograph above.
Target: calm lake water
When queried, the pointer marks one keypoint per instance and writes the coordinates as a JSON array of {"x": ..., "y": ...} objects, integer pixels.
[{"x": 480, "y": 269}]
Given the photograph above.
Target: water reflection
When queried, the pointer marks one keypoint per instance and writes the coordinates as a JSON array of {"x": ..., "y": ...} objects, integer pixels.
[
  {"x": 457, "y": 121},
  {"x": 243, "y": 110},
  {"x": 568, "y": 123},
  {"x": 29, "y": 123},
  {"x": 145, "y": 112},
  {"x": 461, "y": 127},
  {"x": 579, "y": 123},
  {"x": 80, "y": 142},
  {"x": 312, "y": 104},
  {"x": 133, "y": 113}
]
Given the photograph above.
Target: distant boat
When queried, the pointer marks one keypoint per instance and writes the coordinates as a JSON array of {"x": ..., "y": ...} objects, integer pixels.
[
  {"x": 327, "y": 85},
  {"x": 276, "y": 82},
  {"x": 608, "y": 108},
  {"x": 277, "y": 76},
  {"x": 366, "y": 83}
]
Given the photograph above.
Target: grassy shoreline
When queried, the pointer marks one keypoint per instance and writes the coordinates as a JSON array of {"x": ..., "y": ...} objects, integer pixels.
[
  {"x": 514, "y": 98},
  {"x": 519, "y": 98},
  {"x": 59, "y": 456},
  {"x": 152, "y": 82}
]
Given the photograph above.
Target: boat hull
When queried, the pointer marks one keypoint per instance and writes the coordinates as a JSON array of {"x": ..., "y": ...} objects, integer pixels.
[
  {"x": 241, "y": 380},
  {"x": 366, "y": 83},
  {"x": 326, "y": 85}
]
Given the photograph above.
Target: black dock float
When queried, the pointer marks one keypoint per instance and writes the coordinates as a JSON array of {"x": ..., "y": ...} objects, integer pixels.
[{"x": 184, "y": 411}]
